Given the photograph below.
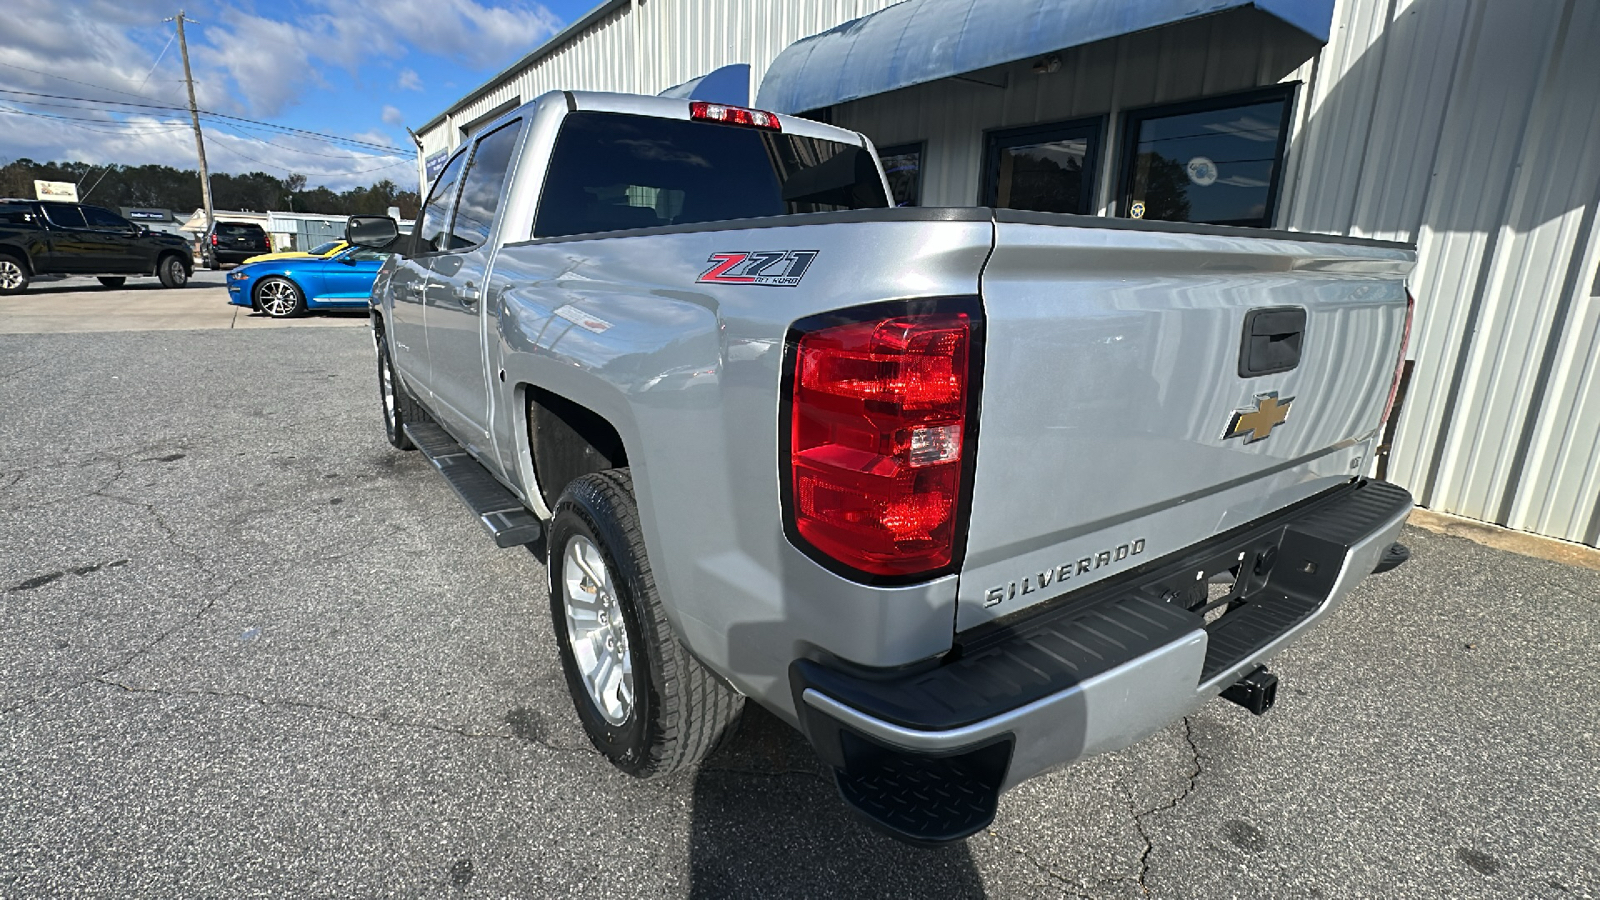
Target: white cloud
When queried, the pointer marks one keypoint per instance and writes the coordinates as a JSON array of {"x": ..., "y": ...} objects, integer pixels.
[{"x": 245, "y": 63}]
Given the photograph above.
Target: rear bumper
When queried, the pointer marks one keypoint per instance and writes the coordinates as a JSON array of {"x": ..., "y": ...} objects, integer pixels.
[{"x": 1094, "y": 672}]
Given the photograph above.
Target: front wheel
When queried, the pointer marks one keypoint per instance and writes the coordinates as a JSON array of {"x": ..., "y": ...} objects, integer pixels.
[
  {"x": 172, "y": 273},
  {"x": 644, "y": 700},
  {"x": 280, "y": 298},
  {"x": 13, "y": 277},
  {"x": 397, "y": 408}
]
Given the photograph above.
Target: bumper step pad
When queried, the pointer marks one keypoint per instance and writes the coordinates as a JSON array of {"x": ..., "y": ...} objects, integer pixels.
[
  {"x": 499, "y": 510},
  {"x": 931, "y": 801},
  {"x": 932, "y": 797}
]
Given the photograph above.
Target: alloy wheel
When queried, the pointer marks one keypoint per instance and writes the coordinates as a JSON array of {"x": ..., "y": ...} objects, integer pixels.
[
  {"x": 278, "y": 298},
  {"x": 11, "y": 276},
  {"x": 596, "y": 630}
]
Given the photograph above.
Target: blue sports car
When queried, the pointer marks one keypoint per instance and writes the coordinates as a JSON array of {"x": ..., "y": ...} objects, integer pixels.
[{"x": 282, "y": 288}]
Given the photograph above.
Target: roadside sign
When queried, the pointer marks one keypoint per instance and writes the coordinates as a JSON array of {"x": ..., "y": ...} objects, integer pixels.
[{"x": 64, "y": 191}]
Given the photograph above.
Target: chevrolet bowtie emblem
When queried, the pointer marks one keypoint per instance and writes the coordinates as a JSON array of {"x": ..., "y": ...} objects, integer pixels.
[{"x": 1268, "y": 413}]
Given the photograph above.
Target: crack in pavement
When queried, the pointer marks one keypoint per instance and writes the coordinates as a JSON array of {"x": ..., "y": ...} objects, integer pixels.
[
  {"x": 279, "y": 703},
  {"x": 1044, "y": 868},
  {"x": 1139, "y": 817},
  {"x": 189, "y": 621}
]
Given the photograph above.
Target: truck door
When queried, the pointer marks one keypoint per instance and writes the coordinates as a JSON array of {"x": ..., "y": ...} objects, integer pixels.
[
  {"x": 74, "y": 246},
  {"x": 118, "y": 239},
  {"x": 410, "y": 278},
  {"x": 455, "y": 297}
]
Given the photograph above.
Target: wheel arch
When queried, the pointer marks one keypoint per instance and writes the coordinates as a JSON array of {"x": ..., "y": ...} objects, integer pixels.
[
  {"x": 185, "y": 260},
  {"x": 566, "y": 440},
  {"x": 19, "y": 256}
]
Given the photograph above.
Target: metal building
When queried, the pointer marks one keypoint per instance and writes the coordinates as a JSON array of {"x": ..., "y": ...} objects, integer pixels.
[{"x": 1471, "y": 127}]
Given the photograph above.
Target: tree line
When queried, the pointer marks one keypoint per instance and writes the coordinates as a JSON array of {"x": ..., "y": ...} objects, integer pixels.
[{"x": 163, "y": 187}]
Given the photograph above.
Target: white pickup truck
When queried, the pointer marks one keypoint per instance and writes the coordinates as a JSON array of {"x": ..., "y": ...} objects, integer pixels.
[{"x": 962, "y": 494}]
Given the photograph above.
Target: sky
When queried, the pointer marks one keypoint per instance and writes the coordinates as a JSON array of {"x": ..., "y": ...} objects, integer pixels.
[{"x": 353, "y": 69}]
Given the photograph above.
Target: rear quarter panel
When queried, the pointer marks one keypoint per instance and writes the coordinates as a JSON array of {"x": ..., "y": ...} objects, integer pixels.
[{"x": 689, "y": 373}]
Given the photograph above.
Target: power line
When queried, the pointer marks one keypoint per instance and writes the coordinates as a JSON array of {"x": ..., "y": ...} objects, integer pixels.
[
  {"x": 262, "y": 162},
  {"x": 330, "y": 137},
  {"x": 236, "y": 131},
  {"x": 76, "y": 81},
  {"x": 114, "y": 127}
]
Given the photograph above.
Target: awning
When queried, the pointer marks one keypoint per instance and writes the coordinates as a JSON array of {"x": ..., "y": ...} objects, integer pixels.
[
  {"x": 729, "y": 84},
  {"x": 925, "y": 40}
]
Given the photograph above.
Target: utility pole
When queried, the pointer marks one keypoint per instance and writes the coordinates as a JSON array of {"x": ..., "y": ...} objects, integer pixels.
[
  {"x": 422, "y": 171},
  {"x": 194, "y": 117}
]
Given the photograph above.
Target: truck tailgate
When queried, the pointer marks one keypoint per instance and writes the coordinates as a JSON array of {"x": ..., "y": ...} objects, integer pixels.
[{"x": 1112, "y": 378}]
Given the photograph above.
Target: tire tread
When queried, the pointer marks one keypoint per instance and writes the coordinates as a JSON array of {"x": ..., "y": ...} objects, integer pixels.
[{"x": 696, "y": 712}]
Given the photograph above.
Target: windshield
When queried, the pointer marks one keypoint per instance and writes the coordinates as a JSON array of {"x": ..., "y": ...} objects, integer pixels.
[{"x": 325, "y": 249}]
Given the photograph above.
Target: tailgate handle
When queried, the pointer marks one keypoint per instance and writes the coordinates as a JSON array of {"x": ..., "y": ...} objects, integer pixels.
[{"x": 1272, "y": 339}]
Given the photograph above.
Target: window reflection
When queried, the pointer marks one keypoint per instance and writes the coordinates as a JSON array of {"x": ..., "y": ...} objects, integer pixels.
[{"x": 1217, "y": 164}]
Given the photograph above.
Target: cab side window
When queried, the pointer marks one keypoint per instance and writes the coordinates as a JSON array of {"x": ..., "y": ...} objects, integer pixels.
[
  {"x": 15, "y": 214},
  {"x": 480, "y": 189},
  {"x": 64, "y": 215},
  {"x": 106, "y": 219},
  {"x": 431, "y": 233}
]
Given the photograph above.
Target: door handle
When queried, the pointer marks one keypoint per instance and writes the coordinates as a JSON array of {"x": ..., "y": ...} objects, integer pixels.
[{"x": 469, "y": 294}]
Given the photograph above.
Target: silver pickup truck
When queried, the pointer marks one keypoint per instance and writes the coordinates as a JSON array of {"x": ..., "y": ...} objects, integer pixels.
[{"x": 962, "y": 494}]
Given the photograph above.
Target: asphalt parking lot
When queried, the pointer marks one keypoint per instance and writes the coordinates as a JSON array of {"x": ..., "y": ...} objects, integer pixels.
[
  {"x": 81, "y": 304},
  {"x": 246, "y": 649}
]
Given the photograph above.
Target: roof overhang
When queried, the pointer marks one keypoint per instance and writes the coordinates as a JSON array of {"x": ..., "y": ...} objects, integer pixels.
[
  {"x": 729, "y": 84},
  {"x": 919, "y": 41}
]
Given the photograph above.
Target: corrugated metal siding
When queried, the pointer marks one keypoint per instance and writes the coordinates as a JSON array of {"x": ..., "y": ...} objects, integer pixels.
[
  {"x": 1473, "y": 128},
  {"x": 1469, "y": 126},
  {"x": 1219, "y": 54},
  {"x": 678, "y": 40}
]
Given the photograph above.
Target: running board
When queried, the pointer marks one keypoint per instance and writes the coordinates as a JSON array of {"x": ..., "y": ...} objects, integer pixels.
[{"x": 495, "y": 506}]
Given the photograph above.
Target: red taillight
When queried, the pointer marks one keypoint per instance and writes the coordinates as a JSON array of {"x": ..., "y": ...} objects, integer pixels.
[
  {"x": 1400, "y": 364},
  {"x": 734, "y": 115},
  {"x": 878, "y": 427},
  {"x": 213, "y": 240}
]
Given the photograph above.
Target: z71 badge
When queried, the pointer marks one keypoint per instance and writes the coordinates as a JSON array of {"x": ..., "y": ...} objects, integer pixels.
[{"x": 774, "y": 268}]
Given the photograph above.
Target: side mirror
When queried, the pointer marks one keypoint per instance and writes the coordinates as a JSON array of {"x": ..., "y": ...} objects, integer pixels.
[{"x": 372, "y": 232}]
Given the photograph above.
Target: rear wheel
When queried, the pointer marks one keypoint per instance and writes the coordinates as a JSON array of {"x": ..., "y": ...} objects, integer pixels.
[
  {"x": 112, "y": 281},
  {"x": 13, "y": 277},
  {"x": 398, "y": 408},
  {"x": 280, "y": 298},
  {"x": 644, "y": 700},
  {"x": 172, "y": 272}
]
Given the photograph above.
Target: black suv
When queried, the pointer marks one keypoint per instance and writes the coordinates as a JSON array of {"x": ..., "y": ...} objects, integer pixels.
[
  {"x": 49, "y": 238},
  {"x": 233, "y": 242}
]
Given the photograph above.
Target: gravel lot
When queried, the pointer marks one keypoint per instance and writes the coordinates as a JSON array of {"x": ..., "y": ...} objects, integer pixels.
[{"x": 246, "y": 649}]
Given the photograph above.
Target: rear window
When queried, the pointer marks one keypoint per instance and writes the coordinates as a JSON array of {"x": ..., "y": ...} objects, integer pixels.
[
  {"x": 230, "y": 230},
  {"x": 611, "y": 172}
]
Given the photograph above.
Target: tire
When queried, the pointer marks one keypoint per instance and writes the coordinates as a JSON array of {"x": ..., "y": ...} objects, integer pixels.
[
  {"x": 677, "y": 711},
  {"x": 112, "y": 281},
  {"x": 13, "y": 276},
  {"x": 280, "y": 298},
  {"x": 393, "y": 399},
  {"x": 172, "y": 272},
  {"x": 212, "y": 264}
]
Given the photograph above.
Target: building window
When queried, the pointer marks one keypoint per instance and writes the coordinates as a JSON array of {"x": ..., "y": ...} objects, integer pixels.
[
  {"x": 1216, "y": 161},
  {"x": 903, "y": 165},
  {"x": 1045, "y": 168}
]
